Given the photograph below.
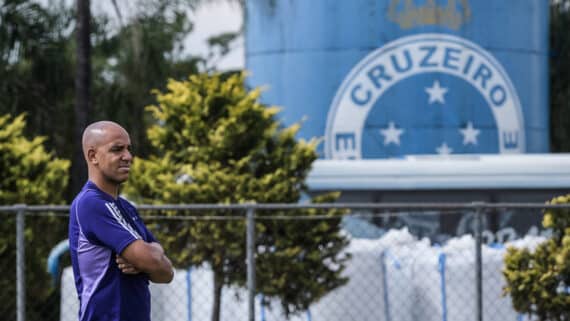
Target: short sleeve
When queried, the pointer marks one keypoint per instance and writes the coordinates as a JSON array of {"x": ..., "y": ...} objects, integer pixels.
[
  {"x": 102, "y": 223},
  {"x": 148, "y": 235}
]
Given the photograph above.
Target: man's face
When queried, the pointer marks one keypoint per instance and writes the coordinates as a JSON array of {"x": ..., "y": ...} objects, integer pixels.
[{"x": 113, "y": 155}]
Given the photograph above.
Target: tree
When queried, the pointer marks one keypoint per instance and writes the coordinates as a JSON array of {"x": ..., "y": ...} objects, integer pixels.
[
  {"x": 134, "y": 56},
  {"x": 29, "y": 175},
  {"x": 82, "y": 92},
  {"x": 36, "y": 68},
  {"x": 138, "y": 57},
  {"x": 130, "y": 55},
  {"x": 539, "y": 281},
  {"x": 560, "y": 75},
  {"x": 215, "y": 143}
]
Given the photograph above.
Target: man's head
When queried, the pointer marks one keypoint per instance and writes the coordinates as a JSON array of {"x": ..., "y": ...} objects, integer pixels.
[{"x": 106, "y": 147}]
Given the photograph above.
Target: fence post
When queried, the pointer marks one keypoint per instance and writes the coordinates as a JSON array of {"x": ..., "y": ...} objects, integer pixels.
[
  {"x": 250, "y": 264},
  {"x": 478, "y": 261},
  {"x": 20, "y": 263}
]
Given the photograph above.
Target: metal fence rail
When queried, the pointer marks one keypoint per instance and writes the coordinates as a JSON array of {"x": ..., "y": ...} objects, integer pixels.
[{"x": 39, "y": 227}]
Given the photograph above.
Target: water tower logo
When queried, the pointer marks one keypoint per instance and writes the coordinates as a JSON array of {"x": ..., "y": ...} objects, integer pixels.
[
  {"x": 425, "y": 94},
  {"x": 407, "y": 14}
]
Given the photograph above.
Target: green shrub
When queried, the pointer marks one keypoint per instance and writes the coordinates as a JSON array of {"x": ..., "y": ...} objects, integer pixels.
[
  {"x": 29, "y": 175},
  {"x": 214, "y": 142},
  {"x": 539, "y": 282}
]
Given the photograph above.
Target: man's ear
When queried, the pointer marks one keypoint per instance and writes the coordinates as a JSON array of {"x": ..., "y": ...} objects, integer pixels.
[{"x": 91, "y": 156}]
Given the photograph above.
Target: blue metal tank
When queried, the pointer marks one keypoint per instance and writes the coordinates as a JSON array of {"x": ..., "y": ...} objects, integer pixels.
[{"x": 387, "y": 78}]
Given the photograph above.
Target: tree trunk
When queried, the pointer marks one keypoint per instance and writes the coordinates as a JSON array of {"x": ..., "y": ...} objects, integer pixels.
[
  {"x": 218, "y": 284},
  {"x": 82, "y": 94}
]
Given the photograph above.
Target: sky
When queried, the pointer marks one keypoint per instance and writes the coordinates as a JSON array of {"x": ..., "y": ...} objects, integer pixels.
[{"x": 214, "y": 19}]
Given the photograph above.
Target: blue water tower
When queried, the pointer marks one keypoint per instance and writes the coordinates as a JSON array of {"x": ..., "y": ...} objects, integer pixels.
[{"x": 387, "y": 78}]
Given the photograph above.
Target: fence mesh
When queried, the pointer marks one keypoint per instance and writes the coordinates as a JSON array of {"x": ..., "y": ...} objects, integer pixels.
[{"x": 381, "y": 264}]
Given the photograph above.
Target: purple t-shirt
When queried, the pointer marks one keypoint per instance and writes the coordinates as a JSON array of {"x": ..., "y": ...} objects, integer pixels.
[{"x": 99, "y": 228}]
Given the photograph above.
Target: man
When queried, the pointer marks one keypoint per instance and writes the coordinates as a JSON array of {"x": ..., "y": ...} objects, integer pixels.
[{"x": 112, "y": 252}]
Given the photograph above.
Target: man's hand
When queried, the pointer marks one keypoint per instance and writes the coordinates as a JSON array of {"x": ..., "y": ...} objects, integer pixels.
[{"x": 125, "y": 266}]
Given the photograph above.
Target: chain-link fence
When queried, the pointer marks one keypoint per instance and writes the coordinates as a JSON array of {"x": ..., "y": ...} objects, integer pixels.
[{"x": 308, "y": 262}]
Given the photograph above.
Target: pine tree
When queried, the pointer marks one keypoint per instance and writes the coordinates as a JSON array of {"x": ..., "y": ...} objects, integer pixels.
[{"x": 216, "y": 143}]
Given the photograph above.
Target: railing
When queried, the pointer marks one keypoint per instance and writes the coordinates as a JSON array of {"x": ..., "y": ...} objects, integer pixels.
[{"x": 49, "y": 225}]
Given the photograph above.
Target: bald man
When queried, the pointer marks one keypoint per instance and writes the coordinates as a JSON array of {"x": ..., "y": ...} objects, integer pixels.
[{"x": 112, "y": 252}]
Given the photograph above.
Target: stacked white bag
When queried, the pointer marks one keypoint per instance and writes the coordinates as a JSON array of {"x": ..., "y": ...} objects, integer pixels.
[
  {"x": 393, "y": 278},
  {"x": 399, "y": 276},
  {"x": 364, "y": 297},
  {"x": 444, "y": 286}
]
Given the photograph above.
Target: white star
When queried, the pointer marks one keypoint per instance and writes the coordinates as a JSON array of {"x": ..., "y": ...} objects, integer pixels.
[
  {"x": 391, "y": 134},
  {"x": 444, "y": 149},
  {"x": 469, "y": 134},
  {"x": 436, "y": 93}
]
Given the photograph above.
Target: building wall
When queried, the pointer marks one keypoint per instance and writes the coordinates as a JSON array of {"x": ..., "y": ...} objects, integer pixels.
[{"x": 386, "y": 78}]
